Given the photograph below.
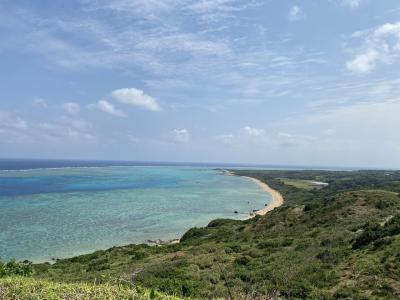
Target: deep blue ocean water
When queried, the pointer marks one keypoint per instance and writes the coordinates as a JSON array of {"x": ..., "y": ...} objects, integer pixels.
[{"x": 56, "y": 209}]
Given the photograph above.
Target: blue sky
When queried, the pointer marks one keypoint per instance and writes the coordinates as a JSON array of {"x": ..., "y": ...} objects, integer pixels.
[{"x": 277, "y": 82}]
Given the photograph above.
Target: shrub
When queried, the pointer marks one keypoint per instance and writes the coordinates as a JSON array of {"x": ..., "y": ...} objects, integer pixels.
[
  {"x": 140, "y": 254},
  {"x": 373, "y": 231},
  {"x": 381, "y": 204},
  {"x": 287, "y": 242},
  {"x": 243, "y": 260},
  {"x": 235, "y": 248},
  {"x": 194, "y": 233},
  {"x": 221, "y": 222},
  {"x": 325, "y": 256},
  {"x": 15, "y": 268},
  {"x": 268, "y": 244},
  {"x": 184, "y": 288}
]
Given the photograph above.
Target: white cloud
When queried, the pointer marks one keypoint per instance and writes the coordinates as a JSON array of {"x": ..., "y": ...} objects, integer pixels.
[
  {"x": 109, "y": 108},
  {"x": 10, "y": 121},
  {"x": 285, "y": 134},
  {"x": 285, "y": 140},
  {"x": 135, "y": 97},
  {"x": 369, "y": 121},
  {"x": 339, "y": 133},
  {"x": 380, "y": 45},
  {"x": 75, "y": 134},
  {"x": 143, "y": 8},
  {"x": 364, "y": 62},
  {"x": 13, "y": 129},
  {"x": 46, "y": 126},
  {"x": 40, "y": 102},
  {"x": 202, "y": 10},
  {"x": 250, "y": 131},
  {"x": 180, "y": 135},
  {"x": 20, "y": 123},
  {"x": 76, "y": 123},
  {"x": 71, "y": 107},
  {"x": 222, "y": 6},
  {"x": 296, "y": 13},
  {"x": 225, "y": 138},
  {"x": 352, "y": 3},
  {"x": 63, "y": 128},
  {"x": 162, "y": 46}
]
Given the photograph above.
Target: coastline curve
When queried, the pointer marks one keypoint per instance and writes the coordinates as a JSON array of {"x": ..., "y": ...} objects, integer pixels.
[{"x": 277, "y": 198}]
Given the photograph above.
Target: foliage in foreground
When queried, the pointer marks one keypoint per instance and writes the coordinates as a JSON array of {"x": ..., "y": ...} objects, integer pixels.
[
  {"x": 337, "y": 242},
  {"x": 22, "y": 288}
]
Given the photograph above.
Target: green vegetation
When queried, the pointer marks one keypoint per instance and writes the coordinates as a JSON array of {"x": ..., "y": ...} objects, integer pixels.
[
  {"x": 15, "y": 268},
  {"x": 337, "y": 242},
  {"x": 377, "y": 233},
  {"x": 301, "y": 183},
  {"x": 22, "y": 288}
]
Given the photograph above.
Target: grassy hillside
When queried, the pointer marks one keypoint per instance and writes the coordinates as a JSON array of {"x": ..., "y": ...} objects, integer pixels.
[
  {"x": 23, "y": 288},
  {"x": 336, "y": 242}
]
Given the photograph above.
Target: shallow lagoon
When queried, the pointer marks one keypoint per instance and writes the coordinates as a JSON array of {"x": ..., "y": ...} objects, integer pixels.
[{"x": 55, "y": 213}]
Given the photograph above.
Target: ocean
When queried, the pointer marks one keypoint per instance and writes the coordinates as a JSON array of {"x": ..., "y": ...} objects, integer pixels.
[{"x": 57, "y": 209}]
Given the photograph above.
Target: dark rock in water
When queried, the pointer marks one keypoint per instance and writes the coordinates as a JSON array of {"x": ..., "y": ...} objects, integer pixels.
[
  {"x": 255, "y": 210},
  {"x": 236, "y": 211}
]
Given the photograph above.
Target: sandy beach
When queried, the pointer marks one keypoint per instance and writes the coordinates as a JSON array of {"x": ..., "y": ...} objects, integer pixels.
[{"x": 277, "y": 199}]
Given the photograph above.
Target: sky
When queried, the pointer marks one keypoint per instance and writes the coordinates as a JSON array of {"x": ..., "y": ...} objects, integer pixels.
[{"x": 311, "y": 82}]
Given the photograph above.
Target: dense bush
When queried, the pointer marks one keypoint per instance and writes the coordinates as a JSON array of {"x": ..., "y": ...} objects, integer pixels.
[
  {"x": 194, "y": 233},
  {"x": 15, "y": 268},
  {"x": 222, "y": 222},
  {"x": 373, "y": 231}
]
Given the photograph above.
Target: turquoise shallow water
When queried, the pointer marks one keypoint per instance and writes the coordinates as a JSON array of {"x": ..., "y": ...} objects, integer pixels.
[{"x": 55, "y": 213}]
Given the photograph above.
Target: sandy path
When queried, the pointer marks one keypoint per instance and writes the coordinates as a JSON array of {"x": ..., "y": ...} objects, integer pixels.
[{"x": 277, "y": 199}]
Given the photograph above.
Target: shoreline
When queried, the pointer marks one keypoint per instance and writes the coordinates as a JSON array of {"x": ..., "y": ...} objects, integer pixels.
[
  {"x": 277, "y": 201},
  {"x": 277, "y": 198}
]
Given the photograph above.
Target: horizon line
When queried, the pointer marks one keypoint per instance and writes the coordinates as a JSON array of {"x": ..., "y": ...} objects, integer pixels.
[{"x": 189, "y": 163}]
